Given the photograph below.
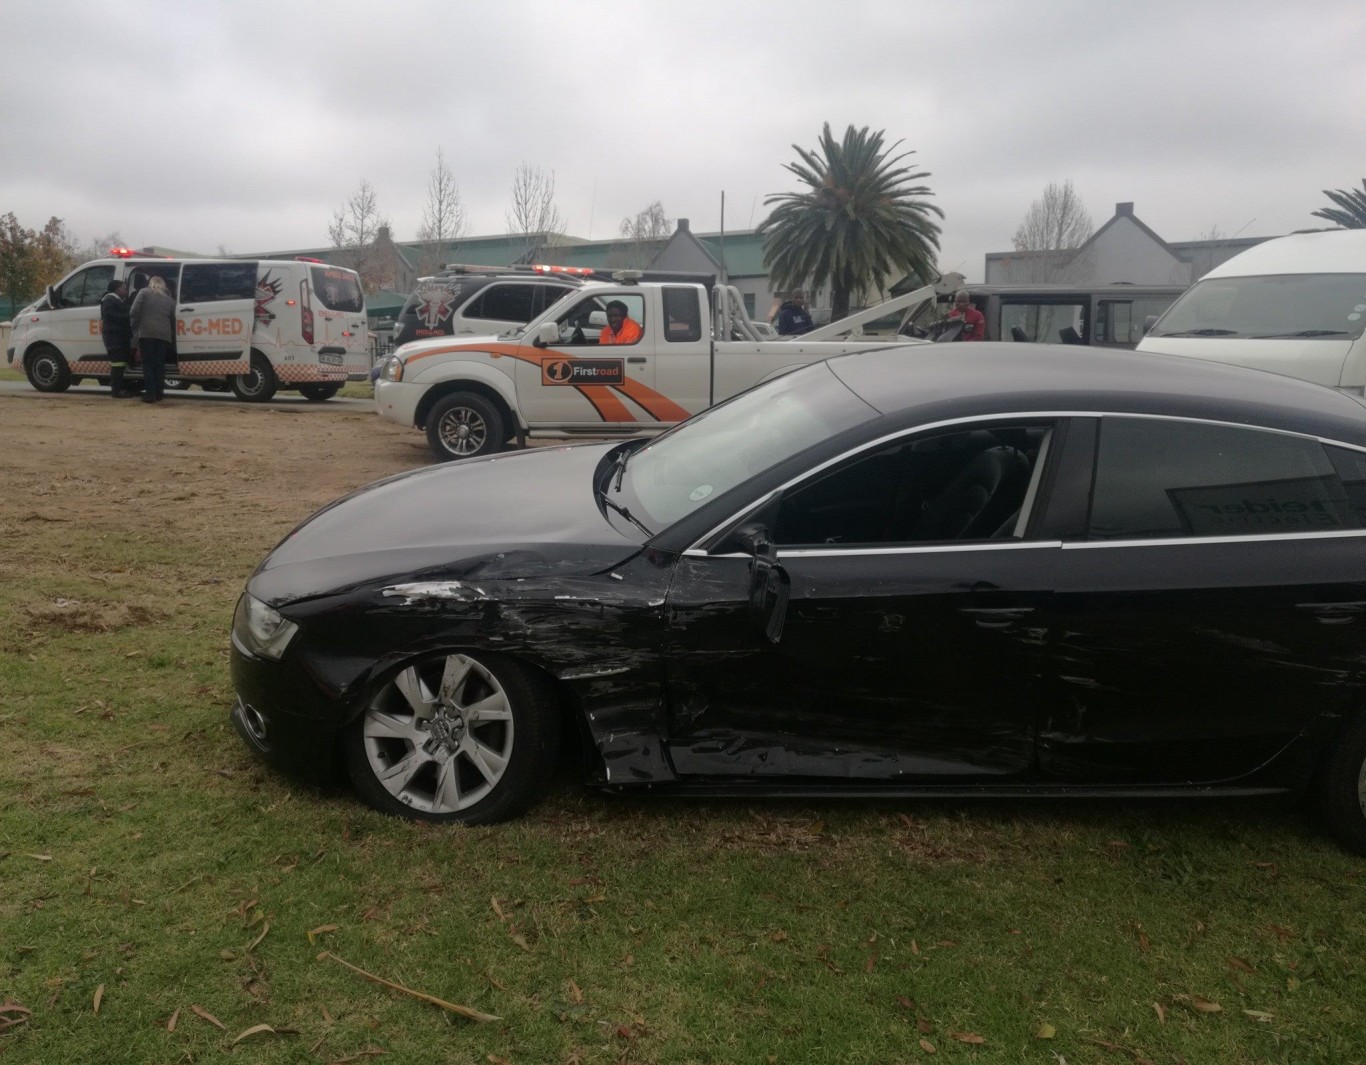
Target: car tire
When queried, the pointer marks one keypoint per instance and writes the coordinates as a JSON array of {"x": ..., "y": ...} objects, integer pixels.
[
  {"x": 47, "y": 370},
  {"x": 179, "y": 384},
  {"x": 418, "y": 751},
  {"x": 259, "y": 385},
  {"x": 1342, "y": 786},
  {"x": 319, "y": 393},
  {"x": 464, "y": 425}
]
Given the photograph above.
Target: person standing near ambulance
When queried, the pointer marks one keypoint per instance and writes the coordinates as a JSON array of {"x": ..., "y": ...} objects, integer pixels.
[
  {"x": 117, "y": 333},
  {"x": 153, "y": 317}
]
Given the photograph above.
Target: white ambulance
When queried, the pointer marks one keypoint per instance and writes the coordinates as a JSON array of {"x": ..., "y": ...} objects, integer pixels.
[{"x": 255, "y": 326}]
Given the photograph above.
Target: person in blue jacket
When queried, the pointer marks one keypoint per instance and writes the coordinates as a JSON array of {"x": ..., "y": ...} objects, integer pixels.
[{"x": 793, "y": 317}]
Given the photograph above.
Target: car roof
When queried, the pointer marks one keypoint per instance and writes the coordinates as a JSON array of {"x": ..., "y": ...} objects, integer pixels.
[
  {"x": 927, "y": 383},
  {"x": 1326, "y": 252}
]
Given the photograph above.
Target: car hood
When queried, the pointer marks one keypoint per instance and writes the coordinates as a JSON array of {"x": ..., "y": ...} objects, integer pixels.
[
  {"x": 1317, "y": 359},
  {"x": 408, "y": 348},
  {"x": 517, "y": 515}
]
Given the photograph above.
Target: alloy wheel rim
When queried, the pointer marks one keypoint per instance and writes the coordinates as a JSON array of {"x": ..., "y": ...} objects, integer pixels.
[
  {"x": 439, "y": 736},
  {"x": 463, "y": 431}
]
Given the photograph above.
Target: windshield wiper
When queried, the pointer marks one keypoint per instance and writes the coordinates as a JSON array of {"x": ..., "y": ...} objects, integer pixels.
[
  {"x": 1302, "y": 333},
  {"x": 621, "y": 461},
  {"x": 627, "y": 515},
  {"x": 1212, "y": 332}
]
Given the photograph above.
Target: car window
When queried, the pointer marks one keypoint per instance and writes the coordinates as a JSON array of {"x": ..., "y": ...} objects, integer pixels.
[
  {"x": 1121, "y": 321},
  {"x": 682, "y": 315},
  {"x": 1312, "y": 306},
  {"x": 585, "y": 322},
  {"x": 967, "y": 484},
  {"x": 1163, "y": 478},
  {"x": 1045, "y": 323},
  {"x": 504, "y": 303},
  {"x": 87, "y": 288},
  {"x": 208, "y": 282},
  {"x": 337, "y": 289}
]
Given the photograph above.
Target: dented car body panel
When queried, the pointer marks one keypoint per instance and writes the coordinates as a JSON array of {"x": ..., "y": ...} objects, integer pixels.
[{"x": 775, "y": 636}]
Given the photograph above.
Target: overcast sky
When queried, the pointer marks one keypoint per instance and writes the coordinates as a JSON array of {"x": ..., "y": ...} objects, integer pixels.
[{"x": 245, "y": 124}]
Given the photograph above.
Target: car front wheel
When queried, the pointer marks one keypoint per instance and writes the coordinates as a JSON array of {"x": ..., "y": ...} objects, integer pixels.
[
  {"x": 319, "y": 393},
  {"x": 1342, "y": 786},
  {"x": 47, "y": 369},
  {"x": 259, "y": 385},
  {"x": 455, "y": 737},
  {"x": 464, "y": 425}
]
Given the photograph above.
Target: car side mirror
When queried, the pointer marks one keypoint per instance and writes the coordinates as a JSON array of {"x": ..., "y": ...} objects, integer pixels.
[
  {"x": 547, "y": 333},
  {"x": 51, "y": 296},
  {"x": 770, "y": 587},
  {"x": 1148, "y": 323}
]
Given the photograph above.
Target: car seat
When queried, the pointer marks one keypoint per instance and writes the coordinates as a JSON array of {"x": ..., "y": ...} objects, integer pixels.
[
  {"x": 978, "y": 500},
  {"x": 1018, "y": 334}
]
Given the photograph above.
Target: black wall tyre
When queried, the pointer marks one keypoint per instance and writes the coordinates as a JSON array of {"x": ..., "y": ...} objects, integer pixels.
[
  {"x": 319, "y": 393},
  {"x": 468, "y": 737},
  {"x": 47, "y": 370},
  {"x": 1342, "y": 786},
  {"x": 177, "y": 383},
  {"x": 464, "y": 425},
  {"x": 259, "y": 385}
]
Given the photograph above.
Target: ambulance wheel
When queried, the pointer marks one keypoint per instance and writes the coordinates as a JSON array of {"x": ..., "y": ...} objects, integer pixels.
[
  {"x": 464, "y": 425},
  {"x": 177, "y": 383},
  {"x": 257, "y": 386},
  {"x": 47, "y": 370},
  {"x": 319, "y": 393}
]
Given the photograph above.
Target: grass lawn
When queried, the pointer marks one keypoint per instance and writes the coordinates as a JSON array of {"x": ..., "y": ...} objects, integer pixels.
[{"x": 165, "y": 896}]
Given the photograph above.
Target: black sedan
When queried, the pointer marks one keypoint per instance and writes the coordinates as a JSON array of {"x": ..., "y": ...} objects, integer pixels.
[{"x": 976, "y": 570}]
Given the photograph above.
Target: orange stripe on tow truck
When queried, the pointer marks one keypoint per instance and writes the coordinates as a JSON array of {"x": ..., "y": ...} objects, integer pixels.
[{"x": 609, "y": 408}]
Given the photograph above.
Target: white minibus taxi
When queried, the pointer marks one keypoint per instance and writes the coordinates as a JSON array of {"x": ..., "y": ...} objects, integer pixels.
[
  {"x": 1295, "y": 305},
  {"x": 252, "y": 326}
]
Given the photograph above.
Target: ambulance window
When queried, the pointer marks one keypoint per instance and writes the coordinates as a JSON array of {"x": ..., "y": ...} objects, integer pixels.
[
  {"x": 682, "y": 315},
  {"x": 504, "y": 303},
  {"x": 208, "y": 282},
  {"x": 338, "y": 290},
  {"x": 87, "y": 288}
]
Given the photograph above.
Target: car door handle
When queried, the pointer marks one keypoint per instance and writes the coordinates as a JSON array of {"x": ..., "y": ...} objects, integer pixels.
[
  {"x": 183, "y": 310},
  {"x": 635, "y": 358},
  {"x": 996, "y": 617},
  {"x": 1334, "y": 613}
]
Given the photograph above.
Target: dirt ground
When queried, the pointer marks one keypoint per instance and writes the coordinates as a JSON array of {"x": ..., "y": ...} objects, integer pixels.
[{"x": 191, "y": 465}]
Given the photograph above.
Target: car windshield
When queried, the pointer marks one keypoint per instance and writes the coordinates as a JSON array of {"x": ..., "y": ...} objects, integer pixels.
[
  {"x": 729, "y": 444},
  {"x": 1324, "y": 306}
]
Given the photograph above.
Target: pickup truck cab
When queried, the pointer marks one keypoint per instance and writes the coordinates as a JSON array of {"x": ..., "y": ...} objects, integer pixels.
[{"x": 567, "y": 374}]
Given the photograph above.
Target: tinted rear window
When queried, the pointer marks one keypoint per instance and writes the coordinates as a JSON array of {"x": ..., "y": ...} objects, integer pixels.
[
  {"x": 206, "y": 282},
  {"x": 338, "y": 290}
]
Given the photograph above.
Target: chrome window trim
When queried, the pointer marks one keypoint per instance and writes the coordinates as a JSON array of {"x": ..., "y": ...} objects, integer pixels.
[
  {"x": 695, "y": 549},
  {"x": 1189, "y": 541},
  {"x": 917, "y": 549}
]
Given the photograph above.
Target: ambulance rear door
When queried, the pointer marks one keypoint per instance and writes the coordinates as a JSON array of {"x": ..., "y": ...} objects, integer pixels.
[
  {"x": 342, "y": 331},
  {"x": 215, "y": 310}
]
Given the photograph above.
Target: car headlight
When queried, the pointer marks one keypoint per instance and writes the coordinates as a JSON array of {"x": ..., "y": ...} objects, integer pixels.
[
  {"x": 393, "y": 369},
  {"x": 260, "y": 630}
]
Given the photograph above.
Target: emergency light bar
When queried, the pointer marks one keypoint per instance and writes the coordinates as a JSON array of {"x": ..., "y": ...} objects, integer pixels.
[
  {"x": 308, "y": 259},
  {"x": 121, "y": 253}
]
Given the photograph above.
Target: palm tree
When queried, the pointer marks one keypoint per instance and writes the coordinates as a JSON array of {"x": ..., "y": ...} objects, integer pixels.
[
  {"x": 859, "y": 219},
  {"x": 1353, "y": 207}
]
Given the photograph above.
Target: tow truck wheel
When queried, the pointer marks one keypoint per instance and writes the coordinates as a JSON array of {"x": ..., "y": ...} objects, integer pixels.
[
  {"x": 319, "y": 393},
  {"x": 257, "y": 386},
  {"x": 464, "y": 425},
  {"x": 47, "y": 370}
]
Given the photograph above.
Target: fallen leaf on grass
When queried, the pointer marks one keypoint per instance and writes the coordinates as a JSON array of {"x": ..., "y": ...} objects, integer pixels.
[
  {"x": 320, "y": 930},
  {"x": 39, "y": 857},
  {"x": 1235, "y": 962},
  {"x": 20, "y": 1015},
  {"x": 905, "y": 1003},
  {"x": 170, "y": 1024},
  {"x": 257, "y": 941},
  {"x": 203, "y": 1014},
  {"x": 1260, "y": 1015},
  {"x": 496, "y": 1060},
  {"x": 872, "y": 961},
  {"x": 968, "y": 1037},
  {"x": 360, "y": 1055},
  {"x": 262, "y": 1029},
  {"x": 1161, "y": 1012},
  {"x": 99, "y": 997},
  {"x": 1204, "y": 1005},
  {"x": 927, "y": 1047},
  {"x": 493, "y": 900},
  {"x": 1046, "y": 1031},
  {"x": 463, "y": 1011},
  {"x": 520, "y": 940},
  {"x": 1279, "y": 932}
]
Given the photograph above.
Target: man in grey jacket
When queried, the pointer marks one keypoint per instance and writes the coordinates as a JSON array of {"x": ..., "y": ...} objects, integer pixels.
[{"x": 153, "y": 318}]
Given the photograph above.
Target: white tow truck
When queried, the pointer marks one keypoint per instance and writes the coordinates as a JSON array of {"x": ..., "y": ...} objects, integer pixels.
[{"x": 566, "y": 374}]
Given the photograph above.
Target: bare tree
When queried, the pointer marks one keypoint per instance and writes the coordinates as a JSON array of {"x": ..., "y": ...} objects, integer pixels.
[
  {"x": 99, "y": 247},
  {"x": 356, "y": 223},
  {"x": 1056, "y": 222},
  {"x": 444, "y": 217},
  {"x": 355, "y": 226},
  {"x": 533, "y": 214},
  {"x": 644, "y": 235}
]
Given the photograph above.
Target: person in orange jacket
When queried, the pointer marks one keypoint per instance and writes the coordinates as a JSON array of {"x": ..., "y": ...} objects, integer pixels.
[{"x": 620, "y": 328}]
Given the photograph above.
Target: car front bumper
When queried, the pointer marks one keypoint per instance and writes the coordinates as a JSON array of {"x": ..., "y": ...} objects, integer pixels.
[
  {"x": 397, "y": 401},
  {"x": 284, "y": 719}
]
